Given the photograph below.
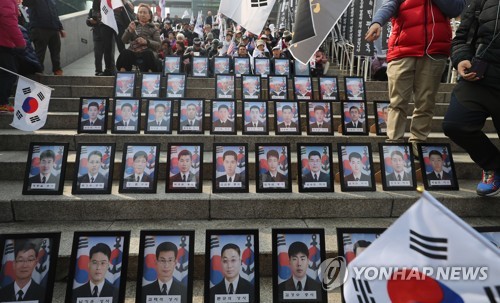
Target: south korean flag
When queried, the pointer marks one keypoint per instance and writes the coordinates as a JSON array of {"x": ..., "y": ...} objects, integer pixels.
[{"x": 31, "y": 105}]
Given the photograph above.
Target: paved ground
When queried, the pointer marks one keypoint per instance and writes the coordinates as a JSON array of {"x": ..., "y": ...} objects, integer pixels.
[{"x": 83, "y": 66}]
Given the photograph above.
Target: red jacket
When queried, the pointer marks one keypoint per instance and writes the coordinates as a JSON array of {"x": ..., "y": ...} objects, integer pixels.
[
  {"x": 412, "y": 31},
  {"x": 10, "y": 34}
]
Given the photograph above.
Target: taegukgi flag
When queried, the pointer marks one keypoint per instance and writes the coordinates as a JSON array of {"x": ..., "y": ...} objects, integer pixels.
[
  {"x": 428, "y": 255},
  {"x": 107, "y": 14},
  {"x": 31, "y": 105},
  {"x": 250, "y": 14}
]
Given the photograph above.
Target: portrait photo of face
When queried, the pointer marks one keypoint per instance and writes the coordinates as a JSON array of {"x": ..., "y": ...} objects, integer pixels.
[
  {"x": 320, "y": 118},
  {"x": 176, "y": 84},
  {"x": 172, "y": 65},
  {"x": 397, "y": 166},
  {"x": 159, "y": 117},
  {"x": 224, "y": 85},
  {"x": 354, "y": 88},
  {"x": 200, "y": 66},
  {"x": 302, "y": 88},
  {"x": 185, "y": 162},
  {"x": 93, "y": 114},
  {"x": 251, "y": 87},
  {"x": 282, "y": 67},
  {"x": 150, "y": 85},
  {"x": 328, "y": 88},
  {"x": 278, "y": 87},
  {"x": 139, "y": 169},
  {"x": 262, "y": 67},
  {"x": 382, "y": 114},
  {"x": 124, "y": 84},
  {"x": 356, "y": 168},
  {"x": 355, "y": 242},
  {"x": 287, "y": 118},
  {"x": 126, "y": 116},
  {"x": 94, "y": 168},
  {"x": 354, "y": 118},
  {"x": 27, "y": 268},
  {"x": 273, "y": 168},
  {"x": 255, "y": 117},
  {"x": 439, "y": 166},
  {"x": 302, "y": 69},
  {"x": 241, "y": 66},
  {"x": 221, "y": 65},
  {"x": 230, "y": 169},
  {"x": 46, "y": 168},
  {"x": 191, "y": 116},
  {"x": 314, "y": 166},
  {"x": 223, "y": 117}
]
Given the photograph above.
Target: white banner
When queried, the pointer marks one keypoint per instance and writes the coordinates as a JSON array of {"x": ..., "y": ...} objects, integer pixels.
[
  {"x": 31, "y": 105},
  {"x": 250, "y": 14}
]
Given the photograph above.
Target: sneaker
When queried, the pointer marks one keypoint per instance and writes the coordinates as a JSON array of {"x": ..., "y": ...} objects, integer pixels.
[
  {"x": 490, "y": 184},
  {"x": 6, "y": 109},
  {"x": 58, "y": 72}
]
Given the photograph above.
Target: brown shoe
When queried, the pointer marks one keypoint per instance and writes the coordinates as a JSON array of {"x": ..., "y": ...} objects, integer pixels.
[{"x": 58, "y": 72}]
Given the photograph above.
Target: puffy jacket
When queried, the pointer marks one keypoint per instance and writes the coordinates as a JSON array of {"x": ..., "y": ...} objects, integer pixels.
[
  {"x": 10, "y": 35},
  {"x": 28, "y": 55},
  {"x": 148, "y": 32},
  {"x": 43, "y": 14}
]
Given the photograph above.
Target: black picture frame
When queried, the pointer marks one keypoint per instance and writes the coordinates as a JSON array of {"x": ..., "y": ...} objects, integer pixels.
[
  {"x": 94, "y": 167},
  {"x": 348, "y": 127},
  {"x": 401, "y": 156},
  {"x": 225, "y": 87},
  {"x": 280, "y": 125},
  {"x": 360, "y": 151},
  {"x": 300, "y": 69},
  {"x": 281, "y": 67},
  {"x": 159, "y": 106},
  {"x": 222, "y": 62},
  {"x": 147, "y": 156},
  {"x": 230, "y": 239},
  {"x": 319, "y": 110},
  {"x": 277, "y": 87},
  {"x": 302, "y": 239},
  {"x": 180, "y": 83},
  {"x": 381, "y": 116},
  {"x": 150, "y": 85},
  {"x": 282, "y": 183},
  {"x": 200, "y": 67},
  {"x": 236, "y": 159},
  {"x": 42, "y": 264},
  {"x": 262, "y": 116},
  {"x": 223, "y": 109},
  {"x": 262, "y": 67},
  {"x": 328, "y": 88},
  {"x": 320, "y": 155},
  {"x": 449, "y": 179},
  {"x": 167, "y": 242},
  {"x": 124, "y": 85},
  {"x": 491, "y": 233},
  {"x": 177, "y": 156},
  {"x": 355, "y": 89},
  {"x": 183, "y": 123},
  {"x": 118, "y": 125},
  {"x": 241, "y": 66},
  {"x": 56, "y": 154},
  {"x": 88, "y": 108},
  {"x": 303, "y": 88},
  {"x": 83, "y": 241},
  {"x": 248, "y": 91},
  {"x": 171, "y": 65}
]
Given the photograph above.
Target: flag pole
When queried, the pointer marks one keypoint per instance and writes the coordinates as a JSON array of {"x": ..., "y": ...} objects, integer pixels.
[{"x": 9, "y": 71}]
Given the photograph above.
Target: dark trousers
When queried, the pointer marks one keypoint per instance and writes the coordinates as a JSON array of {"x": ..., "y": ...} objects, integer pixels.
[
  {"x": 43, "y": 38},
  {"x": 7, "y": 80},
  {"x": 108, "y": 46},
  {"x": 145, "y": 60},
  {"x": 465, "y": 119}
]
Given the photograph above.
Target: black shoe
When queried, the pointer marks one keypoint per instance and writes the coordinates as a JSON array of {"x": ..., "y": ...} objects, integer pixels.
[
  {"x": 109, "y": 73},
  {"x": 99, "y": 74}
]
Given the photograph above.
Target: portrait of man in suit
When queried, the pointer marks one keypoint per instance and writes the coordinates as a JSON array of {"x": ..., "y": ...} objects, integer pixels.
[
  {"x": 301, "y": 69},
  {"x": 232, "y": 283},
  {"x": 255, "y": 124},
  {"x": 223, "y": 123},
  {"x": 150, "y": 86},
  {"x": 320, "y": 126},
  {"x": 355, "y": 125},
  {"x": 262, "y": 67},
  {"x": 315, "y": 174},
  {"x": 161, "y": 121},
  {"x": 383, "y": 125},
  {"x": 273, "y": 178},
  {"x": 298, "y": 257},
  {"x": 277, "y": 87},
  {"x": 127, "y": 123},
  {"x": 356, "y": 178},
  {"x": 399, "y": 177},
  {"x": 191, "y": 123},
  {"x": 328, "y": 89},
  {"x": 288, "y": 125},
  {"x": 139, "y": 178},
  {"x": 185, "y": 178},
  {"x": 174, "y": 86},
  {"x": 360, "y": 246},
  {"x": 47, "y": 164},
  {"x": 171, "y": 65},
  {"x": 303, "y": 89},
  {"x": 97, "y": 286},
  {"x": 221, "y": 66},
  {"x": 93, "y": 122},
  {"x": 199, "y": 67},
  {"x": 124, "y": 86},
  {"x": 165, "y": 283},
  {"x": 24, "y": 288},
  {"x": 281, "y": 68},
  {"x": 354, "y": 89},
  {"x": 438, "y": 176},
  {"x": 225, "y": 87},
  {"x": 241, "y": 67},
  {"x": 93, "y": 176},
  {"x": 230, "y": 179},
  {"x": 251, "y": 88}
]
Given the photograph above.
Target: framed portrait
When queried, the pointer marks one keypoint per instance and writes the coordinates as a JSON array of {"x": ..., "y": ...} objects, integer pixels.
[
  {"x": 287, "y": 118},
  {"x": 150, "y": 85},
  {"x": 262, "y": 67},
  {"x": 491, "y": 233},
  {"x": 45, "y": 169},
  {"x": 171, "y": 65},
  {"x": 185, "y": 168},
  {"x": 126, "y": 116},
  {"x": 191, "y": 116},
  {"x": 315, "y": 167},
  {"x": 319, "y": 117},
  {"x": 159, "y": 117},
  {"x": 438, "y": 168},
  {"x": 98, "y": 267},
  {"x": 328, "y": 88},
  {"x": 140, "y": 164},
  {"x": 230, "y": 171},
  {"x": 224, "y": 86},
  {"x": 251, "y": 87},
  {"x": 302, "y": 88},
  {"x": 200, "y": 67},
  {"x": 232, "y": 266},
  {"x": 241, "y": 66},
  {"x": 28, "y": 258},
  {"x": 302, "y": 69},
  {"x": 356, "y": 167},
  {"x": 273, "y": 168},
  {"x": 297, "y": 255},
  {"x": 281, "y": 67},
  {"x": 397, "y": 166},
  {"x": 381, "y": 108},
  {"x": 166, "y": 263},
  {"x": 255, "y": 118},
  {"x": 223, "y": 117},
  {"x": 221, "y": 65},
  {"x": 93, "y": 115},
  {"x": 277, "y": 88},
  {"x": 94, "y": 168},
  {"x": 125, "y": 85},
  {"x": 355, "y": 88},
  {"x": 354, "y": 118},
  {"x": 176, "y": 86}
]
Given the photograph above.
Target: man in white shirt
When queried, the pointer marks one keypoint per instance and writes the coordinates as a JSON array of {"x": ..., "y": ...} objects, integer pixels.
[{"x": 399, "y": 173}]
